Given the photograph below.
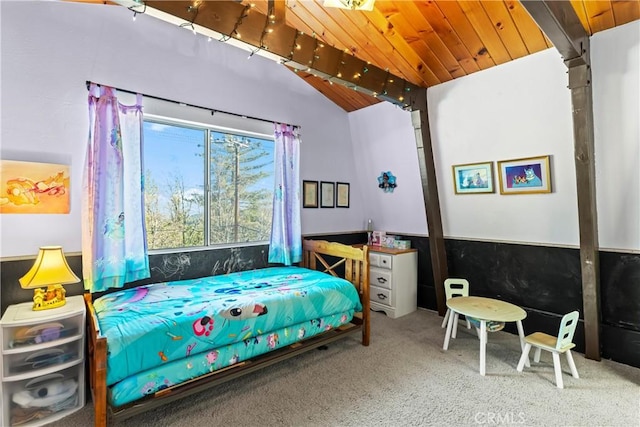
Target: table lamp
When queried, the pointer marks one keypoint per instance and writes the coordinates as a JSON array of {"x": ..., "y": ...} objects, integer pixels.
[{"x": 51, "y": 270}]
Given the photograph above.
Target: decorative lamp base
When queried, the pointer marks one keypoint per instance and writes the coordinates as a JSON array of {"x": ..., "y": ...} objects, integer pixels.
[{"x": 53, "y": 297}]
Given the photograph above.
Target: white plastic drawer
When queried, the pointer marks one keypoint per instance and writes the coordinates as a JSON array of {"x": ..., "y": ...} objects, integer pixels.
[
  {"x": 56, "y": 392},
  {"x": 380, "y": 277},
  {"x": 19, "y": 338},
  {"x": 380, "y": 295},
  {"x": 25, "y": 364}
]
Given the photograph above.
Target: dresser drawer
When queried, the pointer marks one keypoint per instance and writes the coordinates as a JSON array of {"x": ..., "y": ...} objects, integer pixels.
[
  {"x": 380, "y": 295},
  {"x": 380, "y": 260},
  {"x": 380, "y": 277}
]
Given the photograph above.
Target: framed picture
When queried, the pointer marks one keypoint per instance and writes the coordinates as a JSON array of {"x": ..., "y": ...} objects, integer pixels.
[
  {"x": 34, "y": 188},
  {"x": 327, "y": 198},
  {"x": 309, "y": 194},
  {"x": 528, "y": 175},
  {"x": 342, "y": 195},
  {"x": 473, "y": 178}
]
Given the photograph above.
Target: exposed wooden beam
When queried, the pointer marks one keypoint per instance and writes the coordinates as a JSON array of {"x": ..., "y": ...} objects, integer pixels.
[
  {"x": 561, "y": 24},
  {"x": 294, "y": 48},
  {"x": 420, "y": 121},
  {"x": 277, "y": 12}
]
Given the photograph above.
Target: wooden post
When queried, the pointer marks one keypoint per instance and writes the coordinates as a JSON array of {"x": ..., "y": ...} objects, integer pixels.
[
  {"x": 420, "y": 120},
  {"x": 581, "y": 100},
  {"x": 560, "y": 23}
]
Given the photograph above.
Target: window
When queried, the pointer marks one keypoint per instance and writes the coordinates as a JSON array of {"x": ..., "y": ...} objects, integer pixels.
[{"x": 206, "y": 185}]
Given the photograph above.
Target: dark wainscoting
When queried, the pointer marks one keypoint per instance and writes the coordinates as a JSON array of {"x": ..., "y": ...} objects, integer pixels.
[
  {"x": 164, "y": 267},
  {"x": 546, "y": 282},
  {"x": 543, "y": 280}
]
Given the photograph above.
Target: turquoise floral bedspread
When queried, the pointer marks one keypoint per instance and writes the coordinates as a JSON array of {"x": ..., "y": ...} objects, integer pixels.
[
  {"x": 163, "y": 377},
  {"x": 156, "y": 324}
]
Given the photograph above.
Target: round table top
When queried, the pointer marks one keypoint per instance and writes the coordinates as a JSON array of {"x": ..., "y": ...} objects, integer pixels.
[{"x": 486, "y": 309}]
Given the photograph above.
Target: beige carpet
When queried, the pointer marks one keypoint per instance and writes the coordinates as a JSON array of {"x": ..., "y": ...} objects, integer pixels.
[{"x": 405, "y": 378}]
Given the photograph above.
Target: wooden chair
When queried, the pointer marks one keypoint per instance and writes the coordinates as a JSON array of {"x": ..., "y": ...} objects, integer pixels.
[
  {"x": 563, "y": 343},
  {"x": 454, "y": 287}
]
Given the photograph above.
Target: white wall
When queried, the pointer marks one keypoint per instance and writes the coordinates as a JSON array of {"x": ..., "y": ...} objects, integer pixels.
[
  {"x": 515, "y": 110},
  {"x": 518, "y": 109},
  {"x": 616, "y": 105},
  {"x": 49, "y": 50},
  {"x": 383, "y": 140}
]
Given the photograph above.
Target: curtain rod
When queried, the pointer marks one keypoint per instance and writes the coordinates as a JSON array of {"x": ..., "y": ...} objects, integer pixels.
[{"x": 213, "y": 110}]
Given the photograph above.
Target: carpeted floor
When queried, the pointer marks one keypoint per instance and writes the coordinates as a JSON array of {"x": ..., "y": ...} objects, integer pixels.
[{"x": 404, "y": 378}]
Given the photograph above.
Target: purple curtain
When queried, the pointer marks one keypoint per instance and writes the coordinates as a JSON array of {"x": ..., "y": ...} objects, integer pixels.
[
  {"x": 114, "y": 248},
  {"x": 285, "y": 246}
]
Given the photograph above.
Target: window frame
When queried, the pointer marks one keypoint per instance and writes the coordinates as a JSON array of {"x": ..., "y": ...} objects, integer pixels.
[{"x": 209, "y": 128}]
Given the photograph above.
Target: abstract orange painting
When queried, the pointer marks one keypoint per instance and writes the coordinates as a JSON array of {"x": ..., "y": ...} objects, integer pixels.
[{"x": 29, "y": 187}]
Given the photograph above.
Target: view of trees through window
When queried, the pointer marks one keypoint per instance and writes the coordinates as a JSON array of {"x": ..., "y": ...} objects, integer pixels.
[{"x": 205, "y": 187}]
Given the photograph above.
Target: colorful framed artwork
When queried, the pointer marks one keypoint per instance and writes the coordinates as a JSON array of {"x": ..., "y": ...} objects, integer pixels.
[
  {"x": 327, "y": 198},
  {"x": 309, "y": 194},
  {"x": 528, "y": 175},
  {"x": 342, "y": 195},
  {"x": 473, "y": 178},
  {"x": 34, "y": 188}
]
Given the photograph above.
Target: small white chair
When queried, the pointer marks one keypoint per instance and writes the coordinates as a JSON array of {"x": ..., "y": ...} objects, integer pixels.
[
  {"x": 454, "y": 287},
  {"x": 563, "y": 343}
]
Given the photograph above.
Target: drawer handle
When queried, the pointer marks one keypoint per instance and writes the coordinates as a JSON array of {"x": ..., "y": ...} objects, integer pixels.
[
  {"x": 381, "y": 280},
  {"x": 382, "y": 296}
]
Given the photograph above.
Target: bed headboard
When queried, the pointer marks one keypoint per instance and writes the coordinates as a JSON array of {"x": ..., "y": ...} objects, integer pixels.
[{"x": 355, "y": 260}]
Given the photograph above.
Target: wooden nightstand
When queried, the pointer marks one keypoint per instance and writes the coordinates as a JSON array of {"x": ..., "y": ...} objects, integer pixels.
[{"x": 42, "y": 363}]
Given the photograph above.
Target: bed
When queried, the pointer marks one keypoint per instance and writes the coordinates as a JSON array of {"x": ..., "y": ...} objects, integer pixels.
[{"x": 156, "y": 343}]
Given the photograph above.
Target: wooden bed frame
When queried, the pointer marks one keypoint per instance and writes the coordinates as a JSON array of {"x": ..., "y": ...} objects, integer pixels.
[{"x": 353, "y": 260}]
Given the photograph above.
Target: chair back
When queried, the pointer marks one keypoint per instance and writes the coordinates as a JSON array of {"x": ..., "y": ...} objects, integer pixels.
[
  {"x": 567, "y": 329},
  {"x": 454, "y": 287}
]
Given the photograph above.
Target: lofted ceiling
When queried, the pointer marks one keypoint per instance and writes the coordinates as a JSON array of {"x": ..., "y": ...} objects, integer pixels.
[{"x": 424, "y": 43}]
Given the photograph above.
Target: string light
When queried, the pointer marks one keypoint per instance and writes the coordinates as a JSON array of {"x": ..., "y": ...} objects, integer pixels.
[
  {"x": 234, "y": 31},
  {"x": 136, "y": 12},
  {"x": 296, "y": 45},
  {"x": 253, "y": 52},
  {"x": 189, "y": 25}
]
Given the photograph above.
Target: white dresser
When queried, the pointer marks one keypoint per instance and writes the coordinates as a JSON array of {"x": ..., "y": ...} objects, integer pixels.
[{"x": 393, "y": 279}]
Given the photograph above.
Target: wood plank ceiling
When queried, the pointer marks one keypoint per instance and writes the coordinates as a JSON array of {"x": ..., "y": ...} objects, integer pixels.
[{"x": 431, "y": 42}]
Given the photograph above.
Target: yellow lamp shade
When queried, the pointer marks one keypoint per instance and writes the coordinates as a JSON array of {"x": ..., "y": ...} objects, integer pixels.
[{"x": 50, "y": 269}]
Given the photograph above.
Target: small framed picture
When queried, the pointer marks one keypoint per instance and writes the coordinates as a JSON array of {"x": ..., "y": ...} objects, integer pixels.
[
  {"x": 327, "y": 197},
  {"x": 309, "y": 194},
  {"x": 342, "y": 194},
  {"x": 528, "y": 175},
  {"x": 473, "y": 178}
]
